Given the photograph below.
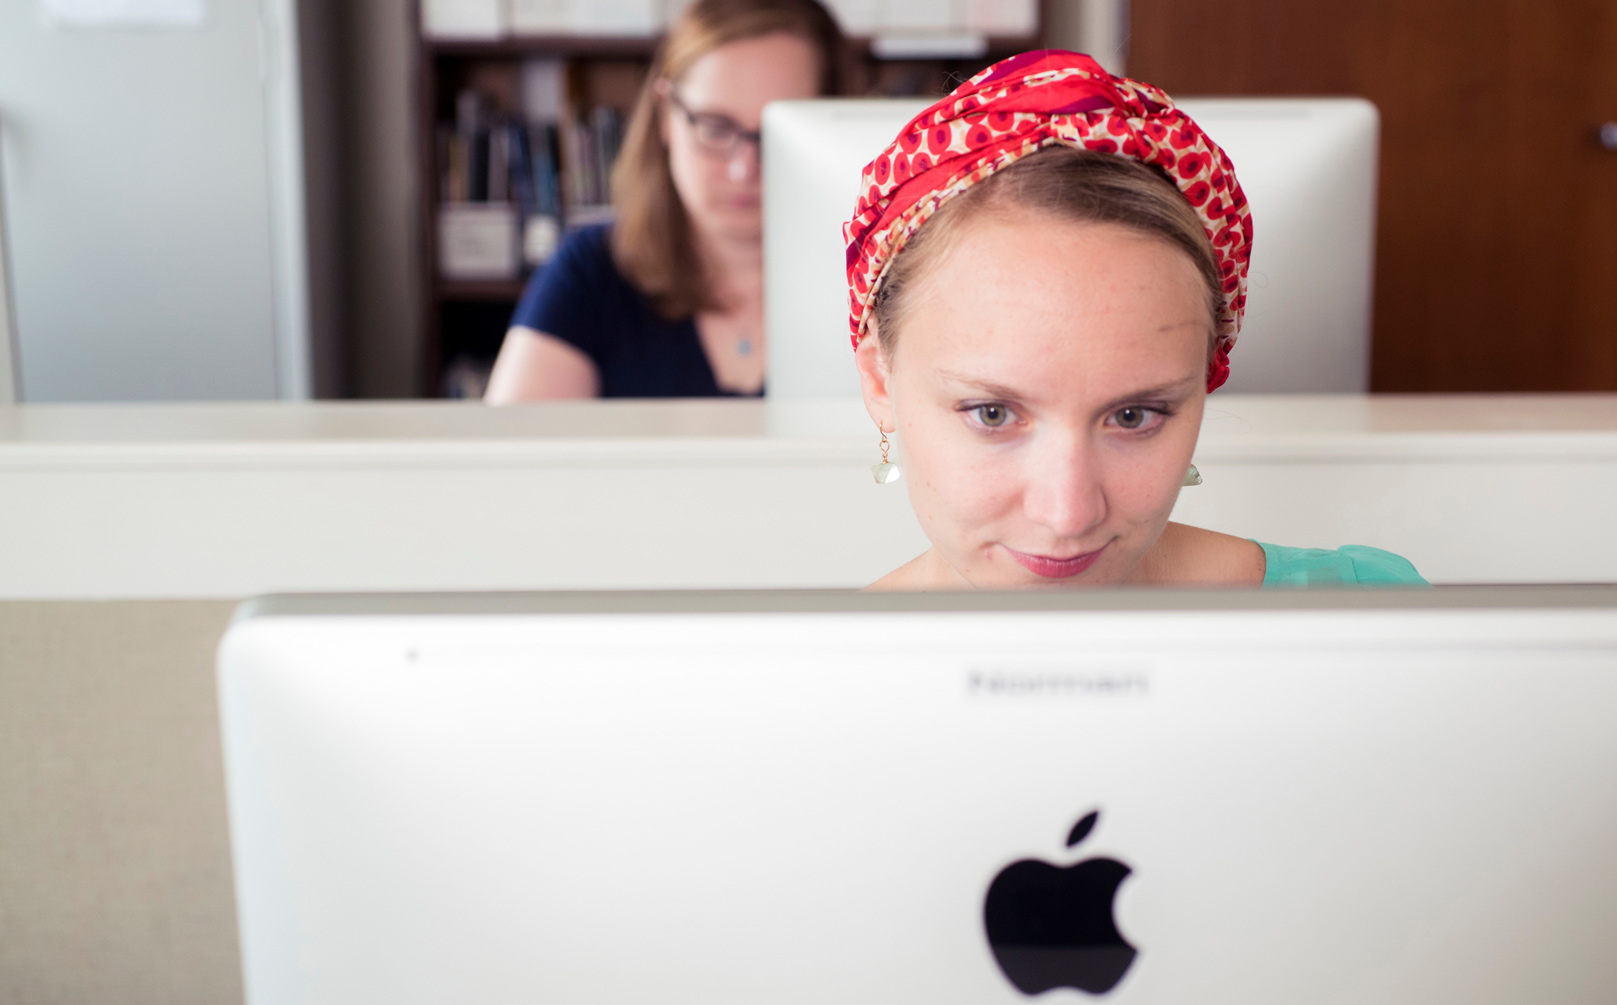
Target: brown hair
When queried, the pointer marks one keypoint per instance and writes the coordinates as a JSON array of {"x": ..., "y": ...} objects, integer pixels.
[
  {"x": 1067, "y": 183},
  {"x": 651, "y": 240}
]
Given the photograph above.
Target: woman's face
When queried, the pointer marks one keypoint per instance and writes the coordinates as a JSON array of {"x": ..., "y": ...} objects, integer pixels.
[
  {"x": 727, "y": 90},
  {"x": 1047, "y": 388}
]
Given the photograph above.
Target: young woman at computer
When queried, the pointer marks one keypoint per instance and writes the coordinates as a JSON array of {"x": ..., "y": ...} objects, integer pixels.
[
  {"x": 668, "y": 301},
  {"x": 1047, "y": 272}
]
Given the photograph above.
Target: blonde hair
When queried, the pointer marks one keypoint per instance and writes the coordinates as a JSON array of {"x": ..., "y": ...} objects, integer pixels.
[
  {"x": 1067, "y": 183},
  {"x": 651, "y": 240}
]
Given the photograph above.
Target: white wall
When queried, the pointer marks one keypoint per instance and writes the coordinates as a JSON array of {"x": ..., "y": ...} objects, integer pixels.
[{"x": 154, "y": 205}]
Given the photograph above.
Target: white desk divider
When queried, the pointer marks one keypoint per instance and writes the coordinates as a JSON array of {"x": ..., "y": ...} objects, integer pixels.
[{"x": 200, "y": 501}]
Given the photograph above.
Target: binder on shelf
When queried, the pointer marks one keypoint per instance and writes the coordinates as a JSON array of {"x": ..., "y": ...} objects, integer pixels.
[
  {"x": 464, "y": 19},
  {"x": 628, "y": 18},
  {"x": 941, "y": 29},
  {"x": 1005, "y": 18},
  {"x": 929, "y": 45},
  {"x": 947, "y": 19},
  {"x": 541, "y": 17},
  {"x": 857, "y": 17},
  {"x": 478, "y": 241},
  {"x": 915, "y": 15},
  {"x": 625, "y": 18}
]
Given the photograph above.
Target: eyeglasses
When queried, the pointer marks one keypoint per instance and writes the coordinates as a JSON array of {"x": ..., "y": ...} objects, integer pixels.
[{"x": 718, "y": 135}]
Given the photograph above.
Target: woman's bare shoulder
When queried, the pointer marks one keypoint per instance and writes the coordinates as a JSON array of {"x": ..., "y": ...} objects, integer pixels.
[
  {"x": 1193, "y": 556},
  {"x": 919, "y": 573}
]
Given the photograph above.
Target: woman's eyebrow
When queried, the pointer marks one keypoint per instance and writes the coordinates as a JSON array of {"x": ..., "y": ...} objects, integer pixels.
[
  {"x": 992, "y": 390},
  {"x": 988, "y": 388},
  {"x": 725, "y": 117},
  {"x": 1173, "y": 390}
]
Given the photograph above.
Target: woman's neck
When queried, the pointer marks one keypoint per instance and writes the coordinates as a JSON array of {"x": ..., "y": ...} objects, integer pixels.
[
  {"x": 735, "y": 266},
  {"x": 926, "y": 572}
]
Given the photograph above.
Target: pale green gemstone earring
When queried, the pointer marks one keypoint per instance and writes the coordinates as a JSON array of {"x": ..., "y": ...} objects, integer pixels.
[
  {"x": 886, "y": 471},
  {"x": 1192, "y": 477}
]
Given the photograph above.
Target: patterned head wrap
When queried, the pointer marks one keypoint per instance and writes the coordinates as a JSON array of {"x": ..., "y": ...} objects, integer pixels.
[{"x": 1023, "y": 104}]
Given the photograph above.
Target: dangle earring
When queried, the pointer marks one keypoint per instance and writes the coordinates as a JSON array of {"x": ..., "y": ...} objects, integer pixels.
[
  {"x": 1192, "y": 477},
  {"x": 886, "y": 471}
]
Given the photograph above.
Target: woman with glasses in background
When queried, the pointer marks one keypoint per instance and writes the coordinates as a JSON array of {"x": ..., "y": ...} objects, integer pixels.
[{"x": 668, "y": 300}]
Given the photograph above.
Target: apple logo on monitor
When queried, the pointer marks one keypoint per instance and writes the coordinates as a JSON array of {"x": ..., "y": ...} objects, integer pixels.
[{"x": 1052, "y": 927}]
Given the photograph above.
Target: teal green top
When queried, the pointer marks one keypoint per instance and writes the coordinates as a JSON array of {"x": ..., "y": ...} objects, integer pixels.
[{"x": 1349, "y": 565}]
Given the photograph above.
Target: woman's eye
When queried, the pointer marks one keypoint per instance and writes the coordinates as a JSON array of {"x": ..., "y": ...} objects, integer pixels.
[
  {"x": 1130, "y": 418},
  {"x": 715, "y": 132},
  {"x": 992, "y": 415}
]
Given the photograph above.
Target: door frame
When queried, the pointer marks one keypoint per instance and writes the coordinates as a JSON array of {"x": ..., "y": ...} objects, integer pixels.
[{"x": 10, "y": 382}]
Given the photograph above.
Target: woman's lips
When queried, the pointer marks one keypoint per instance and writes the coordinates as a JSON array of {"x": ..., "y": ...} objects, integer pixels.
[{"x": 1055, "y": 568}]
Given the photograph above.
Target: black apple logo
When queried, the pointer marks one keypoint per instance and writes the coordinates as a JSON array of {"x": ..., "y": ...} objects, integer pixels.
[{"x": 1052, "y": 927}]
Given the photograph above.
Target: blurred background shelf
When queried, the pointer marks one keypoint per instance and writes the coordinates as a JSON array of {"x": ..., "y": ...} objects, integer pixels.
[
  {"x": 507, "y": 291},
  {"x": 579, "y": 85}
]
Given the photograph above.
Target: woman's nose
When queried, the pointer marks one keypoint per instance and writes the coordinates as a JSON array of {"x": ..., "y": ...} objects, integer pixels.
[
  {"x": 743, "y": 163},
  {"x": 1062, "y": 489}
]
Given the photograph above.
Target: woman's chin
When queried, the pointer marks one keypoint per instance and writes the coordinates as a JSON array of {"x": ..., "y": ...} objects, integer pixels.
[{"x": 734, "y": 223}]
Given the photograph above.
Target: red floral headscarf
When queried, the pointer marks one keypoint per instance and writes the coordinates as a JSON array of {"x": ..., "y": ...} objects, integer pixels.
[{"x": 1023, "y": 104}]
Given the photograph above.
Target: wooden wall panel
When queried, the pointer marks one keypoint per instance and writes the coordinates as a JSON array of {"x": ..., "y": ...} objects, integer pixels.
[{"x": 1497, "y": 250}]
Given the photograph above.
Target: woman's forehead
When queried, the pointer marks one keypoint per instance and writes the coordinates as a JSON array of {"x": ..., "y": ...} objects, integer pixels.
[
  {"x": 752, "y": 71},
  {"x": 1033, "y": 274},
  {"x": 1044, "y": 305}
]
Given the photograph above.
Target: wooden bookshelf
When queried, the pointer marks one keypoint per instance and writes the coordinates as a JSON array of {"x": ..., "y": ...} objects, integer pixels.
[{"x": 463, "y": 317}]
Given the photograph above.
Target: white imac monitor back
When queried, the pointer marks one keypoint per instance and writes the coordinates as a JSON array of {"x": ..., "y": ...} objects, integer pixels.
[
  {"x": 1308, "y": 167},
  {"x": 1394, "y": 799}
]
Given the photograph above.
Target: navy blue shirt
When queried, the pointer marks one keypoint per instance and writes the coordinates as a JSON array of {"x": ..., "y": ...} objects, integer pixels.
[{"x": 581, "y": 298}]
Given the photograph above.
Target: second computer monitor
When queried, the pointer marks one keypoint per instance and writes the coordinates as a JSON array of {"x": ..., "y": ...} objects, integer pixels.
[{"x": 1308, "y": 167}]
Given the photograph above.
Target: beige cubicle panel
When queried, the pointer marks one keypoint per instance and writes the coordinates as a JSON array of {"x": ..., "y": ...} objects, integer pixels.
[{"x": 114, "y": 857}]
